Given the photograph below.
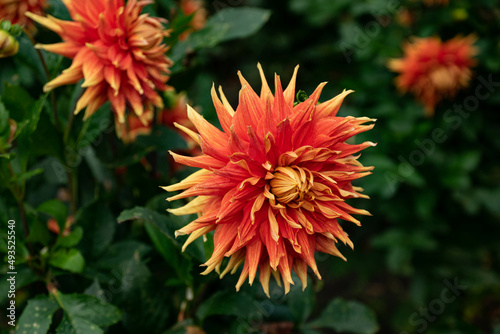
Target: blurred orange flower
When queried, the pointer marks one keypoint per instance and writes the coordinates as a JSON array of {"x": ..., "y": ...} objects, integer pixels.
[
  {"x": 54, "y": 227},
  {"x": 436, "y": 2},
  {"x": 133, "y": 126},
  {"x": 273, "y": 183},
  {"x": 117, "y": 50},
  {"x": 14, "y": 10},
  {"x": 195, "y": 8},
  {"x": 176, "y": 113},
  {"x": 432, "y": 69}
]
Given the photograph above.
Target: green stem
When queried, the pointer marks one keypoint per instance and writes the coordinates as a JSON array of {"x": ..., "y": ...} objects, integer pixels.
[
  {"x": 47, "y": 73},
  {"x": 73, "y": 190},
  {"x": 68, "y": 127},
  {"x": 24, "y": 221}
]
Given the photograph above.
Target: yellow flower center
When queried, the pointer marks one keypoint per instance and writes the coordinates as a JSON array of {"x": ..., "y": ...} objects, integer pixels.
[{"x": 291, "y": 183}]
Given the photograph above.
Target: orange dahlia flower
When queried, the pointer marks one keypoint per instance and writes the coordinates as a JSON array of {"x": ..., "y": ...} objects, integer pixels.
[
  {"x": 432, "y": 69},
  {"x": 14, "y": 11},
  {"x": 117, "y": 50},
  {"x": 273, "y": 182}
]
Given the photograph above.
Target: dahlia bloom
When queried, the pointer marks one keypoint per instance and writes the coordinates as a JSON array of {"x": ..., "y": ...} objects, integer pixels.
[
  {"x": 117, "y": 50},
  {"x": 273, "y": 183},
  {"x": 14, "y": 11},
  {"x": 432, "y": 69}
]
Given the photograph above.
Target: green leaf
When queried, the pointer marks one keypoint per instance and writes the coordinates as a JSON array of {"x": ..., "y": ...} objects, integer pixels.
[
  {"x": 100, "y": 173},
  {"x": 55, "y": 209},
  {"x": 7, "y": 156},
  {"x": 68, "y": 259},
  {"x": 93, "y": 128},
  {"x": 33, "y": 115},
  {"x": 347, "y": 316},
  {"x": 38, "y": 232},
  {"x": 28, "y": 56},
  {"x": 164, "y": 224},
  {"x": 91, "y": 309},
  {"x": 18, "y": 99},
  {"x": 300, "y": 302},
  {"x": 70, "y": 240},
  {"x": 47, "y": 139},
  {"x": 238, "y": 22},
  {"x": 25, "y": 176},
  {"x": 227, "y": 303},
  {"x": 226, "y": 24},
  {"x": 4, "y": 125},
  {"x": 170, "y": 254},
  {"x": 37, "y": 316},
  {"x": 99, "y": 225},
  {"x": 77, "y": 326},
  {"x": 121, "y": 254}
]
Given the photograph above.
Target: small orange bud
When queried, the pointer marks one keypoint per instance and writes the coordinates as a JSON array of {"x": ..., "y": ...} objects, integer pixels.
[
  {"x": 54, "y": 227},
  {"x": 13, "y": 129}
]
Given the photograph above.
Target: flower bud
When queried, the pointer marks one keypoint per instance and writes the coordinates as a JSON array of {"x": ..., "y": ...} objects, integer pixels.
[
  {"x": 8, "y": 44},
  {"x": 13, "y": 129}
]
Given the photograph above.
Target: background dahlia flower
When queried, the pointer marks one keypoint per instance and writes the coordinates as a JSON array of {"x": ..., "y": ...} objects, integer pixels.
[
  {"x": 273, "y": 183},
  {"x": 432, "y": 69},
  {"x": 14, "y": 11},
  {"x": 174, "y": 112},
  {"x": 117, "y": 50},
  {"x": 199, "y": 16},
  {"x": 436, "y": 2}
]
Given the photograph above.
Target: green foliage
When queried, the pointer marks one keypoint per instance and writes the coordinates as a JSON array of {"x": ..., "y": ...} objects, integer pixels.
[
  {"x": 347, "y": 316},
  {"x": 225, "y": 25},
  {"x": 163, "y": 224},
  {"x": 68, "y": 259},
  {"x": 37, "y": 316},
  {"x": 226, "y": 303}
]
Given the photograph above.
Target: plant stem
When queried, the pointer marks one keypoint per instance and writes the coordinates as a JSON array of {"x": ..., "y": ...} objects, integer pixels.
[
  {"x": 68, "y": 127},
  {"x": 47, "y": 73},
  {"x": 73, "y": 190},
  {"x": 22, "y": 212}
]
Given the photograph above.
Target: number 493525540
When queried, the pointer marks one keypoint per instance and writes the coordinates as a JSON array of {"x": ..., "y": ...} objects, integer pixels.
[{"x": 11, "y": 247}]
